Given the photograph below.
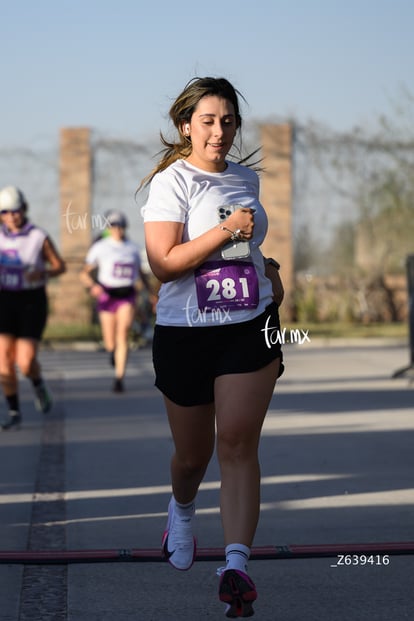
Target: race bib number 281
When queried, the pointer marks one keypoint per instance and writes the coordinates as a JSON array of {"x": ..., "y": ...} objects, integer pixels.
[{"x": 222, "y": 284}]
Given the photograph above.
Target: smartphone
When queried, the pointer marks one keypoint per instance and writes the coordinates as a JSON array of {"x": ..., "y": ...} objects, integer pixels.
[{"x": 234, "y": 249}]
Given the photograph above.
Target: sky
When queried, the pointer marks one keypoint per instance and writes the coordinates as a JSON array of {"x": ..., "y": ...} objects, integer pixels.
[{"x": 116, "y": 66}]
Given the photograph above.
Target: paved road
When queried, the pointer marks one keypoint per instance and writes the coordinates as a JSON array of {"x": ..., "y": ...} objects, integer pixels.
[{"x": 337, "y": 465}]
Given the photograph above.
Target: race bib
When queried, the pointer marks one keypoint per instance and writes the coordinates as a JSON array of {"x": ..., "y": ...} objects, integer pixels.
[
  {"x": 123, "y": 270},
  {"x": 11, "y": 277},
  {"x": 233, "y": 285}
]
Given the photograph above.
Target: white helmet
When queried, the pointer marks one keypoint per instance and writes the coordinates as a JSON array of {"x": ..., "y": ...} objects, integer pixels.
[
  {"x": 116, "y": 218},
  {"x": 12, "y": 199}
]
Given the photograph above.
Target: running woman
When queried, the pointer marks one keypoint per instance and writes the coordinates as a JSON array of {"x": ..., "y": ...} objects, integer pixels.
[
  {"x": 215, "y": 363},
  {"x": 28, "y": 258},
  {"x": 116, "y": 262}
]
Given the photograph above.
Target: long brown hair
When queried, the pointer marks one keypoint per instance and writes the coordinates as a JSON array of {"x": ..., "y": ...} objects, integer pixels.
[{"x": 181, "y": 112}]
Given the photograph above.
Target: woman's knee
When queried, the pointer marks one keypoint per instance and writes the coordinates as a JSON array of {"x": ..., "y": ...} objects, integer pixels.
[
  {"x": 26, "y": 363},
  {"x": 234, "y": 446},
  {"x": 25, "y": 367},
  {"x": 193, "y": 464},
  {"x": 7, "y": 359}
]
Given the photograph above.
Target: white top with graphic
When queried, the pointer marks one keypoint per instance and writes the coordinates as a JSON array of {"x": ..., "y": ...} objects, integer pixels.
[
  {"x": 219, "y": 291},
  {"x": 20, "y": 253},
  {"x": 118, "y": 262}
]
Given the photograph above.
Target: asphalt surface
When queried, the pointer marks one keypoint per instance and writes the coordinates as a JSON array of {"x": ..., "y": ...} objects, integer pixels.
[{"x": 337, "y": 466}]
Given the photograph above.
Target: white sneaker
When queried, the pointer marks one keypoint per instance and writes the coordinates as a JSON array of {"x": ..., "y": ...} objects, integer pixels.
[{"x": 178, "y": 541}]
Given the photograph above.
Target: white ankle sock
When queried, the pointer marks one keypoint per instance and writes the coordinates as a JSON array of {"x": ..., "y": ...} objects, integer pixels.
[
  {"x": 184, "y": 511},
  {"x": 237, "y": 556}
]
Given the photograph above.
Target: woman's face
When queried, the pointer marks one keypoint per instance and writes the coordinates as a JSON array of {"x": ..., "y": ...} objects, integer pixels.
[
  {"x": 117, "y": 232},
  {"x": 13, "y": 220},
  {"x": 212, "y": 130}
]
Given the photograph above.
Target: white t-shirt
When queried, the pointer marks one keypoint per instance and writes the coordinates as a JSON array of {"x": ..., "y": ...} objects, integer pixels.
[
  {"x": 118, "y": 262},
  {"x": 20, "y": 252},
  {"x": 224, "y": 290}
]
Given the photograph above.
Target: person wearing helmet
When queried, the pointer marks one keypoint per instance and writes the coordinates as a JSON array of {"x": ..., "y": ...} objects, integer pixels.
[
  {"x": 116, "y": 262},
  {"x": 28, "y": 258}
]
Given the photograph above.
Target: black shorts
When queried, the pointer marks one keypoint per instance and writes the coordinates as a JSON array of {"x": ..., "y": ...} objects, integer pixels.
[
  {"x": 188, "y": 359},
  {"x": 23, "y": 314}
]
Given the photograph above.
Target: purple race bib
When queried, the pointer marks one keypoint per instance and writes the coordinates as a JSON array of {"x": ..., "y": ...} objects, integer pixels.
[
  {"x": 233, "y": 285},
  {"x": 11, "y": 277},
  {"x": 123, "y": 270}
]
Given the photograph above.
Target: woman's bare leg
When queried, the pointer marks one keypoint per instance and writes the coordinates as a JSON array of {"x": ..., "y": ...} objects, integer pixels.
[
  {"x": 241, "y": 405},
  {"x": 193, "y": 432}
]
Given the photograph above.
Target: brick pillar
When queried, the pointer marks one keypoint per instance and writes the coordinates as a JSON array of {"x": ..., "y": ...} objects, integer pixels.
[
  {"x": 276, "y": 197},
  {"x": 70, "y": 304}
]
